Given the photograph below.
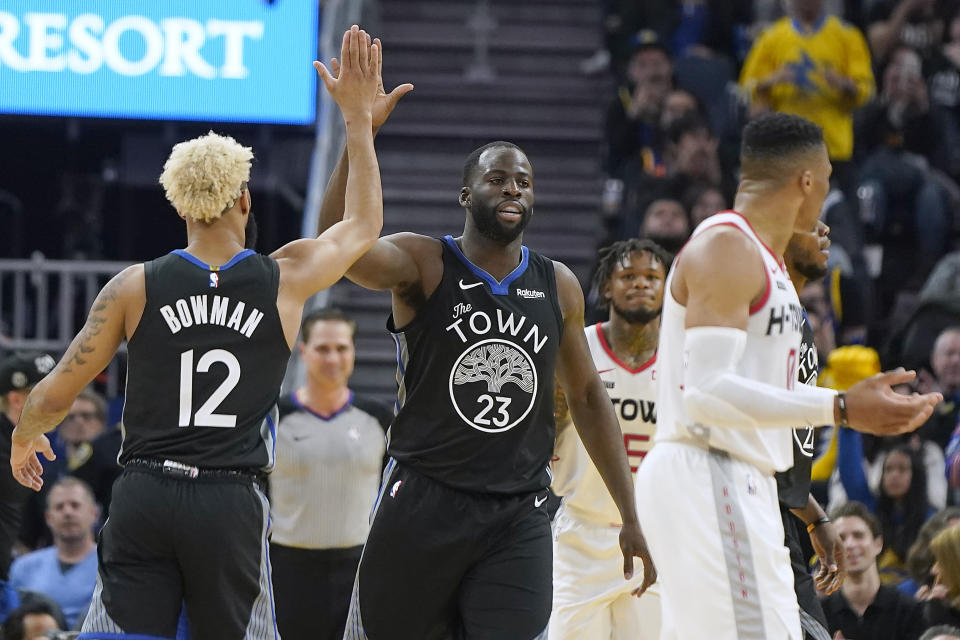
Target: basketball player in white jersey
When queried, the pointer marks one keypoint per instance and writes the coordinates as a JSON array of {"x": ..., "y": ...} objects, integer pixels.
[
  {"x": 590, "y": 597},
  {"x": 727, "y": 367}
]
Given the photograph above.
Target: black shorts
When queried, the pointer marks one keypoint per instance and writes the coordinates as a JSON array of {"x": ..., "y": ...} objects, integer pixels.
[
  {"x": 443, "y": 563},
  {"x": 174, "y": 542},
  {"x": 812, "y": 619}
]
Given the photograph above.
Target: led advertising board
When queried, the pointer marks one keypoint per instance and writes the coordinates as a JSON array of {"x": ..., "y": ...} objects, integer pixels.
[{"x": 216, "y": 60}]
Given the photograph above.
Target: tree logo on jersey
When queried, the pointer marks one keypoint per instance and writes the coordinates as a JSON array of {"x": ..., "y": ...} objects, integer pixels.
[
  {"x": 493, "y": 385},
  {"x": 803, "y": 436}
]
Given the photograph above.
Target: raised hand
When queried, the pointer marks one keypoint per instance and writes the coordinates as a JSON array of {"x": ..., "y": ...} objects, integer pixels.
[
  {"x": 874, "y": 407},
  {"x": 354, "y": 88},
  {"x": 384, "y": 103}
]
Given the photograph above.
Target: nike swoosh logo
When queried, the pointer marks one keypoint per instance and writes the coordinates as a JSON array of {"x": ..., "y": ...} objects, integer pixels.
[
  {"x": 296, "y": 439},
  {"x": 469, "y": 286},
  {"x": 538, "y": 501},
  {"x": 605, "y": 370}
]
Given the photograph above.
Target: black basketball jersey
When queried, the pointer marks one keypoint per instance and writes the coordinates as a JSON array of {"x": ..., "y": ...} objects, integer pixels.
[
  {"x": 475, "y": 375},
  {"x": 793, "y": 485},
  {"x": 205, "y": 363}
]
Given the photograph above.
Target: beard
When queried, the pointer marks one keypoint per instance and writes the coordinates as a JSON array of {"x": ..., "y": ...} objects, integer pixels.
[
  {"x": 641, "y": 315},
  {"x": 486, "y": 221},
  {"x": 250, "y": 232},
  {"x": 811, "y": 271}
]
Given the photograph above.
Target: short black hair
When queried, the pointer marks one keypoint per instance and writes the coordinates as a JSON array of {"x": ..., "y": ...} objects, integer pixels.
[
  {"x": 774, "y": 137},
  {"x": 326, "y": 314},
  {"x": 854, "y": 509},
  {"x": 474, "y": 158},
  {"x": 618, "y": 253},
  {"x": 690, "y": 122},
  {"x": 13, "y": 627}
]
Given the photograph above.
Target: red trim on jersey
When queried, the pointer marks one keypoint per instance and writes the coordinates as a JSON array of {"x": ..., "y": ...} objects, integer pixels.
[
  {"x": 779, "y": 259},
  {"x": 766, "y": 293},
  {"x": 613, "y": 356}
]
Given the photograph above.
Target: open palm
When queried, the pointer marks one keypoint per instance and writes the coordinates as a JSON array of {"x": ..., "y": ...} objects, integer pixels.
[{"x": 384, "y": 103}]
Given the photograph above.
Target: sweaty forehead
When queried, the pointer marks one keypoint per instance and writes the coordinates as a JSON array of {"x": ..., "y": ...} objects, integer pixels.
[{"x": 505, "y": 159}]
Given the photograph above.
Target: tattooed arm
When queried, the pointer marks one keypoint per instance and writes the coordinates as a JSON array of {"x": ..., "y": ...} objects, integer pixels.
[{"x": 115, "y": 315}]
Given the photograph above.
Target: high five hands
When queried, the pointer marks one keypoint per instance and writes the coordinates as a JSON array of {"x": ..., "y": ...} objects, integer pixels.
[{"x": 383, "y": 102}]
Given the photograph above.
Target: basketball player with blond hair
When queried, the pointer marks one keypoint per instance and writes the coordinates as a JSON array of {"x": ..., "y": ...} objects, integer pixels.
[{"x": 209, "y": 331}]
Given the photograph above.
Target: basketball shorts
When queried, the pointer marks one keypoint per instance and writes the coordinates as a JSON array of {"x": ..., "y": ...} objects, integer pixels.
[
  {"x": 441, "y": 563},
  {"x": 590, "y": 597},
  {"x": 172, "y": 543},
  {"x": 713, "y": 526}
]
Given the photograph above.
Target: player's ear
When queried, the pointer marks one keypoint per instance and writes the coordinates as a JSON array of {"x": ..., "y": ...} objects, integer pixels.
[
  {"x": 245, "y": 202},
  {"x": 465, "y": 197},
  {"x": 806, "y": 181}
]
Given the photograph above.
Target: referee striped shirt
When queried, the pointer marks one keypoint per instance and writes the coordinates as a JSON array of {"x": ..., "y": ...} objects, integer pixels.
[{"x": 327, "y": 473}]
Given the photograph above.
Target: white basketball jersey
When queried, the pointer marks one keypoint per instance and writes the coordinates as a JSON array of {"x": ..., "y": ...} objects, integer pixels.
[
  {"x": 773, "y": 342},
  {"x": 634, "y": 394}
]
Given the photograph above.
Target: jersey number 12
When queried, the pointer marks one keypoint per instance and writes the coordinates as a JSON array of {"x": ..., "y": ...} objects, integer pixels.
[{"x": 205, "y": 416}]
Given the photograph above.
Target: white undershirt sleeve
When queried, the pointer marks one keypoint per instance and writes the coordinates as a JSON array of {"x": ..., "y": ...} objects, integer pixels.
[{"x": 715, "y": 394}]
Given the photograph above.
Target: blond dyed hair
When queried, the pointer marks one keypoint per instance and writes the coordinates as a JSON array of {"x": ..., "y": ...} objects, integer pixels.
[
  {"x": 205, "y": 176},
  {"x": 946, "y": 550}
]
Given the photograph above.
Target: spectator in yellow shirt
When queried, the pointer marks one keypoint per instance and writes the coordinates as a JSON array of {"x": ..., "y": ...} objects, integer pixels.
[{"x": 812, "y": 65}]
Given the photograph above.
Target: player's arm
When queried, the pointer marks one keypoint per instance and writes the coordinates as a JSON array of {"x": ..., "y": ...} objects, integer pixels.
[
  {"x": 718, "y": 290},
  {"x": 114, "y": 314},
  {"x": 561, "y": 412},
  {"x": 309, "y": 265},
  {"x": 387, "y": 264},
  {"x": 827, "y": 545},
  {"x": 596, "y": 422}
]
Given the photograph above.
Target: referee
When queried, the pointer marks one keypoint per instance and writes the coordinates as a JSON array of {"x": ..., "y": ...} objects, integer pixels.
[{"x": 330, "y": 452}]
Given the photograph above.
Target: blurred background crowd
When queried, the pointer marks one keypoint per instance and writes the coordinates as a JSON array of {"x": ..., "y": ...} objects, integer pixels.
[{"x": 679, "y": 80}]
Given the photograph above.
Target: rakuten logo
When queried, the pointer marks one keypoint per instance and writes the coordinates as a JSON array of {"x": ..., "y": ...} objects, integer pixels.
[{"x": 87, "y": 43}]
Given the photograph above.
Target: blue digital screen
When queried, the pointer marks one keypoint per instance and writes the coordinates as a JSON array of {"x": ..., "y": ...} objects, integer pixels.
[{"x": 216, "y": 60}]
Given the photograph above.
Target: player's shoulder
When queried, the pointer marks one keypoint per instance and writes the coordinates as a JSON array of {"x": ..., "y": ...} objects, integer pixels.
[
  {"x": 722, "y": 254},
  {"x": 564, "y": 275},
  {"x": 129, "y": 280},
  {"x": 415, "y": 243},
  {"x": 719, "y": 238}
]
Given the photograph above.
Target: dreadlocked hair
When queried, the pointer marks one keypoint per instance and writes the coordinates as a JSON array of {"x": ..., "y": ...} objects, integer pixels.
[{"x": 619, "y": 253}]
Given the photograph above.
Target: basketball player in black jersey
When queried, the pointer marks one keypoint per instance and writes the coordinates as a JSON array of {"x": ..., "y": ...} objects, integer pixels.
[
  {"x": 207, "y": 350},
  {"x": 806, "y": 260},
  {"x": 460, "y": 539}
]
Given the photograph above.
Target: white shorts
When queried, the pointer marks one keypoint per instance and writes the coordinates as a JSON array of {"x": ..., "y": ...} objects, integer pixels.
[
  {"x": 713, "y": 526},
  {"x": 591, "y": 600}
]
